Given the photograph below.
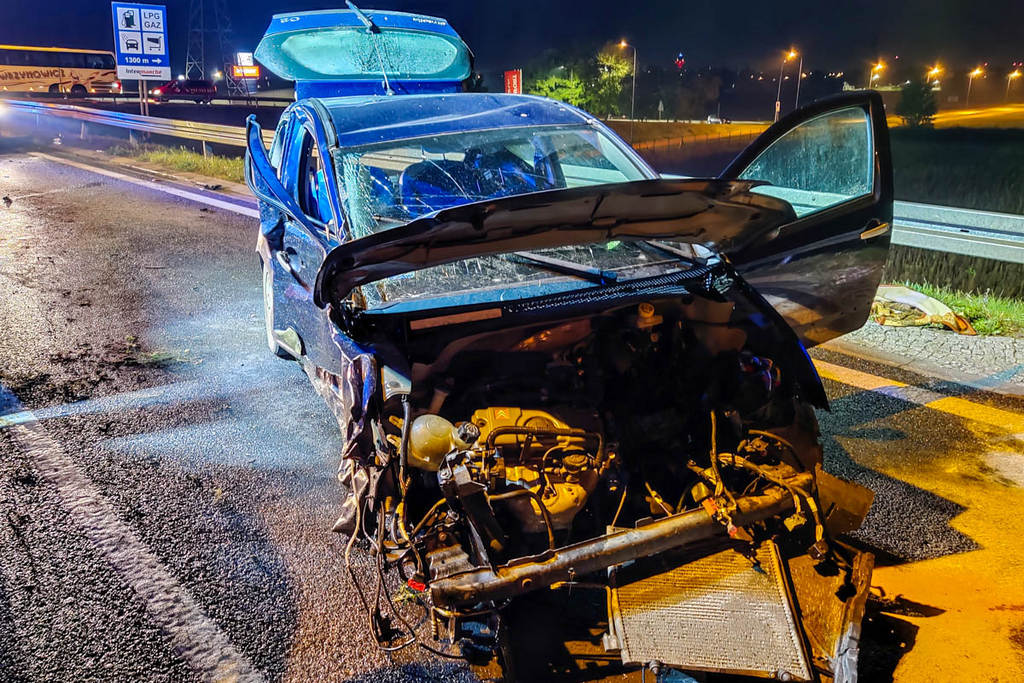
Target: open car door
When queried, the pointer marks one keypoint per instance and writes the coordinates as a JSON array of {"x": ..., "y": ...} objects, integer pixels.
[{"x": 831, "y": 161}]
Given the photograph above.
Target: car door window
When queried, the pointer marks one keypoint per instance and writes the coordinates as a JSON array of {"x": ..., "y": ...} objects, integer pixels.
[
  {"x": 311, "y": 188},
  {"x": 823, "y": 162},
  {"x": 277, "y": 146}
]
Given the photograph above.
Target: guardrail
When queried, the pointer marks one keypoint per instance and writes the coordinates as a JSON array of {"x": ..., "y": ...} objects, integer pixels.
[
  {"x": 983, "y": 234},
  {"x": 130, "y": 96},
  {"x": 206, "y": 133}
]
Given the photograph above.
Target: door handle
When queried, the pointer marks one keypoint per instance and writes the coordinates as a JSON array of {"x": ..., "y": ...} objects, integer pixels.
[{"x": 874, "y": 228}]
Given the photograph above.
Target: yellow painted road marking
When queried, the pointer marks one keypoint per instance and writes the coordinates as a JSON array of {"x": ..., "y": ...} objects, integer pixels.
[
  {"x": 854, "y": 378},
  {"x": 951, "y": 405}
]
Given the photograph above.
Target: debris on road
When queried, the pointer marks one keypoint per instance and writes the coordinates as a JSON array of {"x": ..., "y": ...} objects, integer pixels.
[{"x": 898, "y": 306}]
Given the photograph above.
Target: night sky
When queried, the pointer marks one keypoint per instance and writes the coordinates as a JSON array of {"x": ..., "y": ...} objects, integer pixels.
[{"x": 833, "y": 35}]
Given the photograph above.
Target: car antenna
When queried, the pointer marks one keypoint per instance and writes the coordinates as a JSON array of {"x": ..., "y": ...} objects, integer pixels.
[{"x": 372, "y": 28}]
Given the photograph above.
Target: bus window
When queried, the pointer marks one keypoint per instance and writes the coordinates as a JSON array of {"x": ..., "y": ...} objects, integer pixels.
[
  {"x": 44, "y": 58},
  {"x": 72, "y": 60},
  {"x": 99, "y": 61},
  {"x": 18, "y": 58}
]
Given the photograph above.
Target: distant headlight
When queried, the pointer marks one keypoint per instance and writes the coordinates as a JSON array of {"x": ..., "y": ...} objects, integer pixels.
[{"x": 158, "y": 91}]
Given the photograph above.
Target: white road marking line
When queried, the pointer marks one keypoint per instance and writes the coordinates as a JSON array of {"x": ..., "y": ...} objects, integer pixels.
[
  {"x": 193, "y": 635},
  {"x": 177, "y": 192}
]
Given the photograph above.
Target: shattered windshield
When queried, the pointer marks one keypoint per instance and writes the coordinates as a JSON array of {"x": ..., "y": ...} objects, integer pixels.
[{"x": 389, "y": 184}]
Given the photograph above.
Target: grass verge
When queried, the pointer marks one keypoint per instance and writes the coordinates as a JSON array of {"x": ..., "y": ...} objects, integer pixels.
[
  {"x": 990, "y": 315},
  {"x": 967, "y": 167},
  {"x": 182, "y": 159}
]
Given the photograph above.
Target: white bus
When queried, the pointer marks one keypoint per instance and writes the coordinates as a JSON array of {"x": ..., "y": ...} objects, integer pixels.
[{"x": 57, "y": 70}]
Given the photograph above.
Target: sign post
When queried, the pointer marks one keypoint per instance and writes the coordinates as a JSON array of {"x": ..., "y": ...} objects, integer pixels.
[{"x": 140, "y": 45}]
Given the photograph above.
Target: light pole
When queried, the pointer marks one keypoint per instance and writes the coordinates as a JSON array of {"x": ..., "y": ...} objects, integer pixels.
[
  {"x": 933, "y": 74},
  {"x": 970, "y": 82},
  {"x": 799, "y": 78},
  {"x": 876, "y": 72},
  {"x": 778, "y": 95},
  {"x": 1010, "y": 77},
  {"x": 632, "y": 100}
]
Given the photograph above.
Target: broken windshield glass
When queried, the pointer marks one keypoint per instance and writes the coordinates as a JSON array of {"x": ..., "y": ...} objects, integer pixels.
[{"x": 389, "y": 184}]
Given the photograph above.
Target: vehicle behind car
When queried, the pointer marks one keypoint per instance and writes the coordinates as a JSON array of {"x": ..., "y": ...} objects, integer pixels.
[{"x": 199, "y": 91}]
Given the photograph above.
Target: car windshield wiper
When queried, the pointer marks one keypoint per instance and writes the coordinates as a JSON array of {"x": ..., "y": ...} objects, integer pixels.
[{"x": 590, "y": 273}]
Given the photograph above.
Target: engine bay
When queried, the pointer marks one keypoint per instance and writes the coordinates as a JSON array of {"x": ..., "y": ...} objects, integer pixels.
[{"x": 533, "y": 457}]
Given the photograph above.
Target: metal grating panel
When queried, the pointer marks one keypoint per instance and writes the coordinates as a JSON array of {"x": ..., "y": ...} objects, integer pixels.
[{"x": 716, "y": 613}]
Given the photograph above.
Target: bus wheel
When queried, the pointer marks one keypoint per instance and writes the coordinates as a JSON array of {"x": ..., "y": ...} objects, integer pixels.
[
  {"x": 54, "y": 89},
  {"x": 78, "y": 90}
]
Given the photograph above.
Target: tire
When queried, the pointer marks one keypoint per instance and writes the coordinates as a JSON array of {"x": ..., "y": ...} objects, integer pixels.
[
  {"x": 268, "y": 312},
  {"x": 54, "y": 89},
  {"x": 78, "y": 90}
]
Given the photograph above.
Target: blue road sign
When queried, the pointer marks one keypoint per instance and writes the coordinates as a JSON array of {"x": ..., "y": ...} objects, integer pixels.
[{"x": 140, "y": 41}]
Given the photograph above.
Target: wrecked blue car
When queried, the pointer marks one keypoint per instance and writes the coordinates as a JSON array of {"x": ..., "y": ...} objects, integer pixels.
[{"x": 557, "y": 373}]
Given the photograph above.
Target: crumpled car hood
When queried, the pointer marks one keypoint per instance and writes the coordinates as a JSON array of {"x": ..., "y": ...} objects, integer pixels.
[{"x": 721, "y": 215}]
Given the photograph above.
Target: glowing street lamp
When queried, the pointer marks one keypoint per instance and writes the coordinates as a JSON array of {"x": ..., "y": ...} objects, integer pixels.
[
  {"x": 970, "y": 81},
  {"x": 792, "y": 54},
  {"x": 1010, "y": 78},
  {"x": 799, "y": 77},
  {"x": 933, "y": 74},
  {"x": 632, "y": 100},
  {"x": 876, "y": 72}
]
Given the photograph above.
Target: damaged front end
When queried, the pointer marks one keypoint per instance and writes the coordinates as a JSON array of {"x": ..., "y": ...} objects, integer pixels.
[{"x": 650, "y": 437}]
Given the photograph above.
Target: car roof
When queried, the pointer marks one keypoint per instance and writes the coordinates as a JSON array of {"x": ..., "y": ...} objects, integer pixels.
[{"x": 366, "y": 120}]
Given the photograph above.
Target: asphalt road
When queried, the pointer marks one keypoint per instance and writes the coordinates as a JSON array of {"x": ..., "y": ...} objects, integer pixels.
[{"x": 167, "y": 486}]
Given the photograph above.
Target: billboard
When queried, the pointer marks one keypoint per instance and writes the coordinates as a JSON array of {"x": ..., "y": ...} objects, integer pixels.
[
  {"x": 514, "y": 81},
  {"x": 140, "y": 41},
  {"x": 243, "y": 71}
]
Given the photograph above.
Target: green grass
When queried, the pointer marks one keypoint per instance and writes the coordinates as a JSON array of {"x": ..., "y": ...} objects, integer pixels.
[
  {"x": 990, "y": 315},
  {"x": 182, "y": 159},
  {"x": 969, "y": 168}
]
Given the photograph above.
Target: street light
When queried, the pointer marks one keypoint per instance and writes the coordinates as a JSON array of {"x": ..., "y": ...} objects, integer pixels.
[
  {"x": 632, "y": 100},
  {"x": 778, "y": 95},
  {"x": 799, "y": 77},
  {"x": 1010, "y": 78},
  {"x": 876, "y": 72},
  {"x": 970, "y": 81},
  {"x": 933, "y": 73}
]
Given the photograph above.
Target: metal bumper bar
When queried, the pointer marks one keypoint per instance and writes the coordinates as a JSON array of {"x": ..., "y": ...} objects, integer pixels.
[{"x": 573, "y": 561}]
